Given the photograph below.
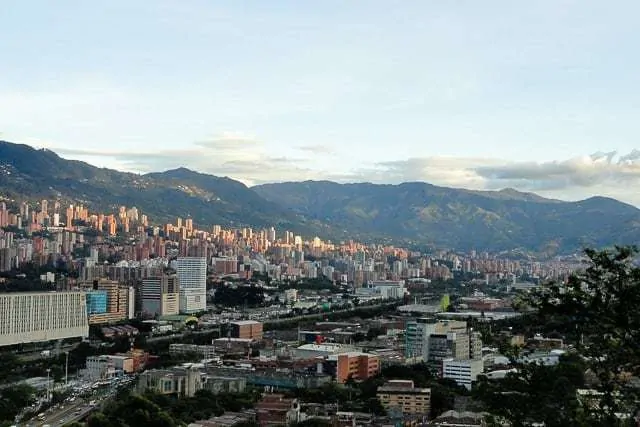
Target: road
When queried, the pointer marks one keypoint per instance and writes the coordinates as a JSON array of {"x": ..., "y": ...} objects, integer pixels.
[
  {"x": 30, "y": 357},
  {"x": 268, "y": 322},
  {"x": 59, "y": 417}
]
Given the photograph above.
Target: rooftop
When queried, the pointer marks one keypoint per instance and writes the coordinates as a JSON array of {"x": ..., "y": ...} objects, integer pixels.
[{"x": 245, "y": 322}]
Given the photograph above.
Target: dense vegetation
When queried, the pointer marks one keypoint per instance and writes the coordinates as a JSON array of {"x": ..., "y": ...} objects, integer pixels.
[
  {"x": 596, "y": 311},
  {"x": 426, "y": 214},
  {"x": 29, "y": 174},
  {"x": 156, "y": 410}
]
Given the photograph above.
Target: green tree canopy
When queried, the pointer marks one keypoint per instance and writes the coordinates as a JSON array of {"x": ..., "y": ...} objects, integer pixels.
[{"x": 597, "y": 311}]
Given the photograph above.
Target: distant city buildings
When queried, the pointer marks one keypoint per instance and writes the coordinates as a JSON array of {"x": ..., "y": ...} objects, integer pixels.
[{"x": 121, "y": 263}]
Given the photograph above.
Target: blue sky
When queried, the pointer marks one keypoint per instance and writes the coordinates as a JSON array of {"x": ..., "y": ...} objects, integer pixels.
[{"x": 482, "y": 95}]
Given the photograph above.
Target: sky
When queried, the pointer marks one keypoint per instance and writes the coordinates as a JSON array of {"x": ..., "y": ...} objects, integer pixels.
[{"x": 539, "y": 96}]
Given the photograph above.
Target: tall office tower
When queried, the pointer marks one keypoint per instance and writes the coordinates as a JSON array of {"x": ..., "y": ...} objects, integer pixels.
[
  {"x": 192, "y": 274},
  {"x": 160, "y": 295}
]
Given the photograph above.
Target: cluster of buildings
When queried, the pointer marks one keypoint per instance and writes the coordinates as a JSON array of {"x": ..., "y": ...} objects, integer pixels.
[
  {"x": 449, "y": 345},
  {"x": 57, "y": 315},
  {"x": 240, "y": 251}
]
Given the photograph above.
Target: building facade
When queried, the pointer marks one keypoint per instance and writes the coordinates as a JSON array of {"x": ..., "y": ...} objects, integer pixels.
[
  {"x": 96, "y": 302},
  {"x": 401, "y": 396},
  {"x": 42, "y": 316},
  {"x": 250, "y": 329},
  {"x": 160, "y": 296},
  {"x": 117, "y": 302},
  {"x": 179, "y": 381},
  {"x": 358, "y": 366},
  {"x": 192, "y": 274},
  {"x": 463, "y": 372}
]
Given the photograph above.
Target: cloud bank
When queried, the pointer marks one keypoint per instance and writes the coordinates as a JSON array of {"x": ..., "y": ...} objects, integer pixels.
[{"x": 246, "y": 159}]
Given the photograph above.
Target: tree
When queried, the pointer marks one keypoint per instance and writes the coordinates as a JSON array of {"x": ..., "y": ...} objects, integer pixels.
[
  {"x": 598, "y": 311},
  {"x": 13, "y": 399}
]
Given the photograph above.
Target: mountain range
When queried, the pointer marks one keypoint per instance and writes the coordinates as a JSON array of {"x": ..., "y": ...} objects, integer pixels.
[{"x": 414, "y": 213}]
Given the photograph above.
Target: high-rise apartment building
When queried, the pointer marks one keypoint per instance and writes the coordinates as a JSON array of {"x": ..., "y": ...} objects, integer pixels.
[
  {"x": 160, "y": 295},
  {"x": 42, "y": 316},
  {"x": 117, "y": 302},
  {"x": 192, "y": 274}
]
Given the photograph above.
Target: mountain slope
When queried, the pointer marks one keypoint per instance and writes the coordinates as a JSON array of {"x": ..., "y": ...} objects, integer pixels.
[
  {"x": 410, "y": 213},
  {"x": 27, "y": 173},
  {"x": 439, "y": 216}
]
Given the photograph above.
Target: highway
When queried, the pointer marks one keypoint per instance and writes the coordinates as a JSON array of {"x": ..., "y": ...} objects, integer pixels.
[
  {"x": 61, "y": 416},
  {"x": 269, "y": 322}
]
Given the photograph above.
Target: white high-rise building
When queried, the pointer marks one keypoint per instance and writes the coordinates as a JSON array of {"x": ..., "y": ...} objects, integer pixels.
[
  {"x": 42, "y": 316},
  {"x": 192, "y": 274}
]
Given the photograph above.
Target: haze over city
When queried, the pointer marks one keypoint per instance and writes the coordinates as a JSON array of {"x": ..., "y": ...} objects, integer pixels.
[{"x": 539, "y": 97}]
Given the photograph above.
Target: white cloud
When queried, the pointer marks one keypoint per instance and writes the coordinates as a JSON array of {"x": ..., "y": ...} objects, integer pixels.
[{"x": 246, "y": 159}]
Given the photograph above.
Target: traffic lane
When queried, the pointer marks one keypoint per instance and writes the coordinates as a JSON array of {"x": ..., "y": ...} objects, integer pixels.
[
  {"x": 64, "y": 413},
  {"x": 82, "y": 415}
]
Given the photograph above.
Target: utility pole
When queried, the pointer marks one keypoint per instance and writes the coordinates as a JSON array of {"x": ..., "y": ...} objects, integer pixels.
[
  {"x": 48, "y": 386},
  {"x": 66, "y": 369}
]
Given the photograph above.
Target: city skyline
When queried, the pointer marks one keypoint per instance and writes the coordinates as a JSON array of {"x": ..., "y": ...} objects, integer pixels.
[{"x": 537, "y": 97}]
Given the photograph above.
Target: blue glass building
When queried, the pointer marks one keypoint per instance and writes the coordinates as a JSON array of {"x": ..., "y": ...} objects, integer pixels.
[{"x": 96, "y": 302}]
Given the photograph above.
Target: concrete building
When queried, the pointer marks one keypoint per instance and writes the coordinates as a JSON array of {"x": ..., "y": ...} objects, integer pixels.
[
  {"x": 475, "y": 345},
  {"x": 225, "y": 384},
  {"x": 277, "y": 410},
  {"x": 42, "y": 316},
  {"x": 205, "y": 351},
  {"x": 160, "y": 295},
  {"x": 178, "y": 381},
  {"x": 463, "y": 372},
  {"x": 99, "y": 368},
  {"x": 309, "y": 351},
  {"x": 117, "y": 302},
  {"x": 450, "y": 345},
  {"x": 355, "y": 365},
  {"x": 123, "y": 364},
  {"x": 384, "y": 289},
  {"x": 232, "y": 345},
  {"x": 418, "y": 332},
  {"x": 401, "y": 396},
  {"x": 250, "y": 329},
  {"x": 192, "y": 274}
]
